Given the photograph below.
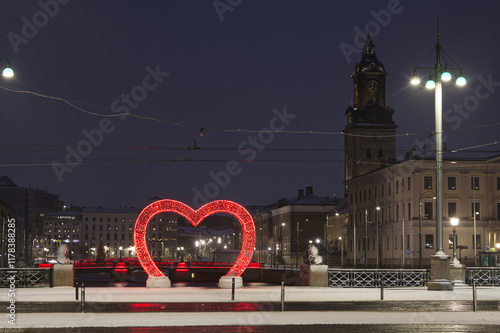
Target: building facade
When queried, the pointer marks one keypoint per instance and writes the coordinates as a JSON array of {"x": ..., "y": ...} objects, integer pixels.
[
  {"x": 286, "y": 227},
  {"x": 392, "y": 213}
]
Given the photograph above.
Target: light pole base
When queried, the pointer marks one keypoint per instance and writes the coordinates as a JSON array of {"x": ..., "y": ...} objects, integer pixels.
[{"x": 440, "y": 273}]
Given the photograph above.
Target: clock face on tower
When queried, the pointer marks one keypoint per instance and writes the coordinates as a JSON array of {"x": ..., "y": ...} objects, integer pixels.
[{"x": 372, "y": 92}]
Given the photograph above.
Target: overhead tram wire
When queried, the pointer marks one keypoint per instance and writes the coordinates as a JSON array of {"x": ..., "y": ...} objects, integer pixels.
[{"x": 73, "y": 103}]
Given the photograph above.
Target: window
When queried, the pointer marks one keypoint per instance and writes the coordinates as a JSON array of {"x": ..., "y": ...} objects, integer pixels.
[
  {"x": 396, "y": 242},
  {"x": 429, "y": 241},
  {"x": 381, "y": 190},
  {"x": 389, "y": 190},
  {"x": 402, "y": 185},
  {"x": 428, "y": 210},
  {"x": 475, "y": 208},
  {"x": 478, "y": 241},
  {"x": 397, "y": 186},
  {"x": 407, "y": 242},
  {"x": 498, "y": 183},
  {"x": 397, "y": 212},
  {"x": 364, "y": 194},
  {"x": 368, "y": 154},
  {"x": 428, "y": 182},
  {"x": 409, "y": 211},
  {"x": 474, "y": 183},
  {"x": 498, "y": 211},
  {"x": 452, "y": 209},
  {"x": 380, "y": 153},
  {"x": 409, "y": 183},
  {"x": 452, "y": 183},
  {"x": 388, "y": 243}
]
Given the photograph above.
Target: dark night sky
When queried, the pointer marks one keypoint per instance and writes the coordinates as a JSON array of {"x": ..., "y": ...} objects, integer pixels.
[{"x": 227, "y": 74}]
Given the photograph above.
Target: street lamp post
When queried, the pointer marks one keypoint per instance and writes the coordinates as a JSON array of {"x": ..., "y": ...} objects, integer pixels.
[
  {"x": 420, "y": 225},
  {"x": 341, "y": 253},
  {"x": 366, "y": 238},
  {"x": 440, "y": 267},
  {"x": 297, "y": 253},
  {"x": 454, "y": 260},
  {"x": 376, "y": 233}
]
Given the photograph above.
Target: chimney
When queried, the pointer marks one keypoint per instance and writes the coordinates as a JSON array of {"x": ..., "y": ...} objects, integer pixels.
[
  {"x": 309, "y": 190},
  {"x": 301, "y": 193}
]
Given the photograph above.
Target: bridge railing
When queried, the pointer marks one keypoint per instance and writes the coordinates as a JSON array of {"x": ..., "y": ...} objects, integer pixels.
[
  {"x": 484, "y": 276},
  {"x": 372, "y": 278},
  {"x": 25, "y": 277}
]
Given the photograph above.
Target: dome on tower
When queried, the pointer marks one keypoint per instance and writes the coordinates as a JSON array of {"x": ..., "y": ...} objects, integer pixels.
[{"x": 369, "y": 61}]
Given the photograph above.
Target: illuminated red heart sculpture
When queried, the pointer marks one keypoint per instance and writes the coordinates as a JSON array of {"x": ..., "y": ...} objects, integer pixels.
[{"x": 194, "y": 217}]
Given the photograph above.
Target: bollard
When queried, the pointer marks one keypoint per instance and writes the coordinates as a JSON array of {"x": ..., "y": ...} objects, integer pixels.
[
  {"x": 51, "y": 274},
  {"x": 232, "y": 291},
  {"x": 474, "y": 296},
  {"x": 83, "y": 297},
  {"x": 282, "y": 296},
  {"x": 76, "y": 289},
  {"x": 381, "y": 288}
]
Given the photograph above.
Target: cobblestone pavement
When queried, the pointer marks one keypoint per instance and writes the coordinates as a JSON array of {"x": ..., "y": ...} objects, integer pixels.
[
  {"x": 273, "y": 329},
  {"x": 103, "y": 307}
]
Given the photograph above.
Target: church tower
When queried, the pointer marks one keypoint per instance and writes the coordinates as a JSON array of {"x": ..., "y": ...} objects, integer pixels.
[{"x": 369, "y": 136}]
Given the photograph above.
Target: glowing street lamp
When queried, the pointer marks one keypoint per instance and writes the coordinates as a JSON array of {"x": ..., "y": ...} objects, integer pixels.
[
  {"x": 439, "y": 267},
  {"x": 7, "y": 72}
]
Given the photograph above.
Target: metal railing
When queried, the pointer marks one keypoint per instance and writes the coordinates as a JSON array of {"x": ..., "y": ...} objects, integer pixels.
[
  {"x": 370, "y": 278},
  {"x": 25, "y": 277},
  {"x": 484, "y": 276}
]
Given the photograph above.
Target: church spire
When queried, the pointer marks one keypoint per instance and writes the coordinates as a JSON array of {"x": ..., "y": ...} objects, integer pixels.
[{"x": 369, "y": 47}]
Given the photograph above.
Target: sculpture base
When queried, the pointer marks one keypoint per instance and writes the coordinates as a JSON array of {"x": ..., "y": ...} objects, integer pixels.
[
  {"x": 314, "y": 275},
  {"x": 440, "y": 273},
  {"x": 158, "y": 282},
  {"x": 226, "y": 282},
  {"x": 64, "y": 275},
  {"x": 457, "y": 274}
]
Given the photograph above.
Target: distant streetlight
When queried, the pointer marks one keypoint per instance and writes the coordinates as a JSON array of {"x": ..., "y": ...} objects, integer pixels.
[{"x": 120, "y": 248}]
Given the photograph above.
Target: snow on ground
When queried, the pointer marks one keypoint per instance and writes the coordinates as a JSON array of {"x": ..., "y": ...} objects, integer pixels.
[
  {"x": 247, "y": 294},
  {"x": 257, "y": 293}
]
